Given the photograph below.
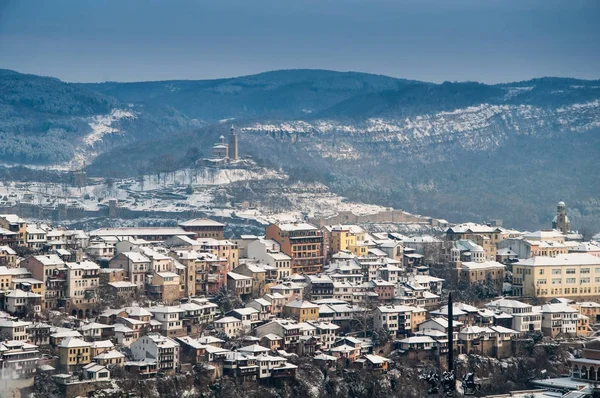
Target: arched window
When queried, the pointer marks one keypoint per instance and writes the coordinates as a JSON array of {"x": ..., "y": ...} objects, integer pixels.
[{"x": 584, "y": 373}]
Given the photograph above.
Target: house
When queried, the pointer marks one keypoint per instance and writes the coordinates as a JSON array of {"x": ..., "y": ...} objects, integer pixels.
[
  {"x": 15, "y": 329},
  {"x": 346, "y": 348},
  {"x": 122, "y": 289},
  {"x": 258, "y": 275},
  {"x": 573, "y": 275},
  {"x": 249, "y": 317},
  {"x": 483, "y": 272},
  {"x": 96, "y": 372},
  {"x": 301, "y": 310},
  {"x": 163, "y": 350},
  {"x": 134, "y": 264},
  {"x": 8, "y": 257},
  {"x": 96, "y": 331},
  {"x": 320, "y": 286},
  {"x": 229, "y": 326},
  {"x": 19, "y": 302},
  {"x": 164, "y": 286},
  {"x": 269, "y": 252},
  {"x": 19, "y": 360},
  {"x": 559, "y": 319},
  {"x": 124, "y": 335},
  {"x": 110, "y": 358},
  {"x": 16, "y": 226},
  {"x": 288, "y": 330},
  {"x": 170, "y": 320},
  {"x": 397, "y": 319},
  {"x": 524, "y": 320},
  {"x": 373, "y": 363},
  {"x": 240, "y": 285},
  {"x": 74, "y": 353},
  {"x": 52, "y": 270},
  {"x": 82, "y": 287}
]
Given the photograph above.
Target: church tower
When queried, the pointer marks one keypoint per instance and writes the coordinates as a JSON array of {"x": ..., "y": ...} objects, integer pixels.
[
  {"x": 561, "y": 221},
  {"x": 233, "y": 145}
]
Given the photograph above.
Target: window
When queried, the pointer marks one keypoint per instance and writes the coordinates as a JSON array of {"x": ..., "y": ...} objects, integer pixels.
[
  {"x": 571, "y": 280},
  {"x": 542, "y": 271},
  {"x": 584, "y": 271},
  {"x": 556, "y": 271},
  {"x": 570, "y": 271},
  {"x": 556, "y": 281}
]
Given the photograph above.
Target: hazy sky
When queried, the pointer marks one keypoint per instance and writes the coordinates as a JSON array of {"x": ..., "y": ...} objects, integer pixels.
[{"x": 128, "y": 40}]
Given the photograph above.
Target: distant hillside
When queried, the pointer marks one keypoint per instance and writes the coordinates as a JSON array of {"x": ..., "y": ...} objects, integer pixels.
[
  {"x": 46, "y": 121},
  {"x": 452, "y": 150}
]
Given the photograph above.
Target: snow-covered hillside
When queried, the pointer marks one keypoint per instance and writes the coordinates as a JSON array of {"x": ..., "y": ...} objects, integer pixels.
[{"x": 478, "y": 127}]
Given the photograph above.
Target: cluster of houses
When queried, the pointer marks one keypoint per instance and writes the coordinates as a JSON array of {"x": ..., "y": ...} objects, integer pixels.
[{"x": 245, "y": 306}]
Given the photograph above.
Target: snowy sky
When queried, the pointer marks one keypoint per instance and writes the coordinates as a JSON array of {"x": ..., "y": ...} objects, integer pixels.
[{"x": 434, "y": 40}]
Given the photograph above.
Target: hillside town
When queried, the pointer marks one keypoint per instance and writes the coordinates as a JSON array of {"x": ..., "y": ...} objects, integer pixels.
[{"x": 88, "y": 313}]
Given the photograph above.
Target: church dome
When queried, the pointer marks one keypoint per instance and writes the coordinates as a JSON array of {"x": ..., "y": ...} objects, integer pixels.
[{"x": 561, "y": 205}]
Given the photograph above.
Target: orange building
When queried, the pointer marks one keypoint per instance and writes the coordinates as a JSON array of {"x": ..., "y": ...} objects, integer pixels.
[{"x": 302, "y": 242}]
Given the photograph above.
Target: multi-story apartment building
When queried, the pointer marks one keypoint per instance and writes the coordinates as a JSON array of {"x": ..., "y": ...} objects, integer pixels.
[
  {"x": 524, "y": 318},
  {"x": 398, "y": 319},
  {"x": 225, "y": 249},
  {"x": 52, "y": 270},
  {"x": 82, "y": 287},
  {"x": 559, "y": 319},
  {"x": 342, "y": 237},
  {"x": 574, "y": 275},
  {"x": 17, "y": 225},
  {"x": 302, "y": 242},
  {"x": 163, "y": 350},
  {"x": 134, "y": 264},
  {"x": 170, "y": 319},
  {"x": 269, "y": 252},
  {"x": 19, "y": 360}
]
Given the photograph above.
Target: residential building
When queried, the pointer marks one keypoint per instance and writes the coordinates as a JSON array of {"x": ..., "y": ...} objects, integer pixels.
[
  {"x": 74, "y": 353},
  {"x": 302, "y": 242},
  {"x": 134, "y": 264},
  {"x": 82, "y": 287},
  {"x": 19, "y": 360},
  {"x": 163, "y": 350},
  {"x": 17, "y": 226},
  {"x": 524, "y": 320},
  {"x": 301, "y": 310},
  {"x": 269, "y": 252}
]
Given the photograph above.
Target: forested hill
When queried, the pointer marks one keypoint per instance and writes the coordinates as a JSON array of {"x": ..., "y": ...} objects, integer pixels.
[{"x": 46, "y": 121}]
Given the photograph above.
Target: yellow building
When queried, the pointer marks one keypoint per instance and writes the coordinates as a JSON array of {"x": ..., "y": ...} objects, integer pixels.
[
  {"x": 575, "y": 275},
  {"x": 73, "y": 353},
  {"x": 342, "y": 237},
  {"x": 417, "y": 318},
  {"x": 301, "y": 310},
  {"x": 583, "y": 326}
]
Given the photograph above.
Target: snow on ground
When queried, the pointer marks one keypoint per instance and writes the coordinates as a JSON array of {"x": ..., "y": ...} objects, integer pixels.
[
  {"x": 103, "y": 124},
  {"x": 188, "y": 189}
]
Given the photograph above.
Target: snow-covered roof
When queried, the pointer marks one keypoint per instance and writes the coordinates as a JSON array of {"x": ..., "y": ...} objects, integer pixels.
[
  {"x": 297, "y": 227},
  {"x": 72, "y": 342},
  {"x": 201, "y": 222},
  {"x": 561, "y": 260},
  {"x": 301, "y": 304}
]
